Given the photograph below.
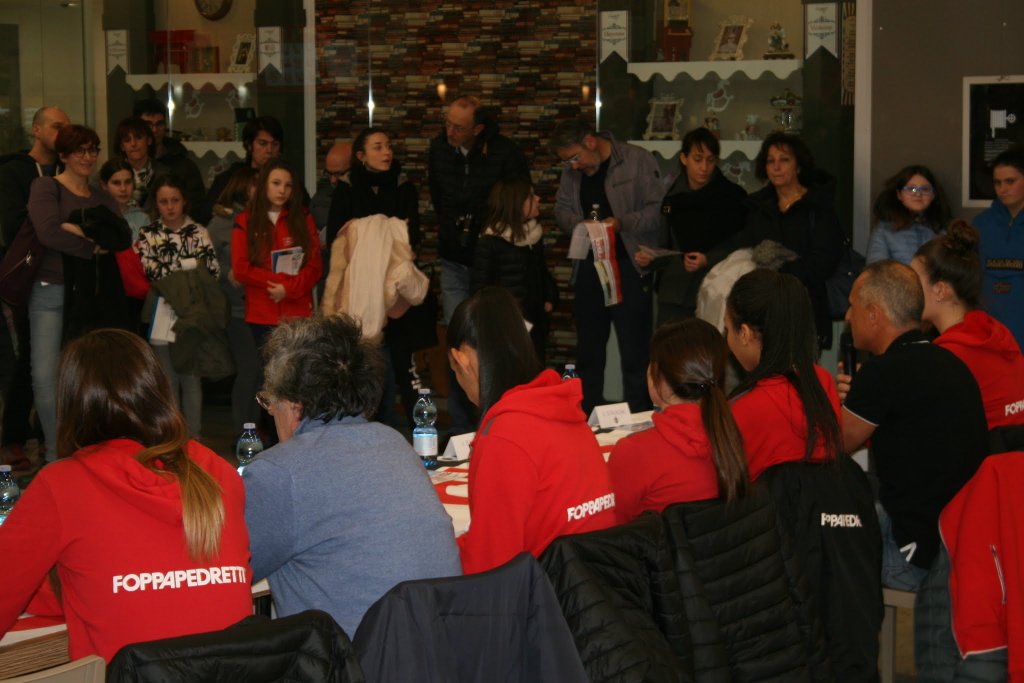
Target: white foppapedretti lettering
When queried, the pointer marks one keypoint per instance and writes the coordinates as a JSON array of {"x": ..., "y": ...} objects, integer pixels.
[
  {"x": 1014, "y": 408},
  {"x": 591, "y": 507},
  {"x": 833, "y": 520},
  {"x": 179, "y": 578}
]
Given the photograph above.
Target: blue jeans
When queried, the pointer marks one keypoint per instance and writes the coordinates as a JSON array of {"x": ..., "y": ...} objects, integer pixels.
[
  {"x": 46, "y": 323},
  {"x": 455, "y": 290},
  {"x": 897, "y": 570},
  {"x": 186, "y": 389}
]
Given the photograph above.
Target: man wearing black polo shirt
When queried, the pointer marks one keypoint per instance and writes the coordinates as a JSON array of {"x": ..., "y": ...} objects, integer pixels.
[
  {"x": 922, "y": 410},
  {"x": 624, "y": 182}
]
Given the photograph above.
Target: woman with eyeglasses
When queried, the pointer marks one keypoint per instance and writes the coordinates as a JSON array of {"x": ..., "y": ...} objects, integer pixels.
[
  {"x": 910, "y": 210},
  {"x": 51, "y": 203}
]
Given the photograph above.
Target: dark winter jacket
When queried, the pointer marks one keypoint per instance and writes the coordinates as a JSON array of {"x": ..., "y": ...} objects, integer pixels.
[
  {"x": 459, "y": 186},
  {"x": 367, "y": 193},
  {"x": 308, "y": 646},
  {"x": 704, "y": 591},
  {"x": 200, "y": 346},
  {"x": 203, "y": 211},
  {"x": 695, "y": 221},
  {"x": 175, "y": 161},
  {"x": 828, "y": 510},
  {"x": 499, "y": 625},
  {"x": 17, "y": 171},
  {"x": 810, "y": 228},
  {"x": 94, "y": 295}
]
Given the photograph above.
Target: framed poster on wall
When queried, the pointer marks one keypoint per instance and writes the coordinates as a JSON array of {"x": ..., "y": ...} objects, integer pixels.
[{"x": 993, "y": 122}]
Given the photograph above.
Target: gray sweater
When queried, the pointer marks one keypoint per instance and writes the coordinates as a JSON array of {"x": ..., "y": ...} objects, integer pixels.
[{"x": 339, "y": 514}]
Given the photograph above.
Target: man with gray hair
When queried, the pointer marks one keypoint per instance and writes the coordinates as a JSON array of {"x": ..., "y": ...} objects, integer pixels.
[{"x": 921, "y": 408}]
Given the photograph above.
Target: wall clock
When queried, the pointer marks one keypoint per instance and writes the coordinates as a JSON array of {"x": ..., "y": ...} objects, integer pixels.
[{"x": 213, "y": 9}]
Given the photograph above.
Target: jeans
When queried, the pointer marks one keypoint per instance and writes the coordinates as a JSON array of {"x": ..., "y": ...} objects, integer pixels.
[
  {"x": 632, "y": 318},
  {"x": 46, "y": 322},
  {"x": 897, "y": 570},
  {"x": 247, "y": 373},
  {"x": 455, "y": 290},
  {"x": 187, "y": 390}
]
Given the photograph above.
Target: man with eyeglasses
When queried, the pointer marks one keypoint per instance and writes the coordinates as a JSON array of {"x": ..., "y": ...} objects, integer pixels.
[
  {"x": 465, "y": 161},
  {"x": 169, "y": 153},
  {"x": 624, "y": 183},
  {"x": 336, "y": 166},
  {"x": 17, "y": 171}
]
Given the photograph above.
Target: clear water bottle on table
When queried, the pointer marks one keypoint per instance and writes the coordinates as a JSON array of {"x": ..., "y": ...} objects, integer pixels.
[
  {"x": 249, "y": 446},
  {"x": 9, "y": 492},
  {"x": 570, "y": 372},
  {"x": 424, "y": 434}
]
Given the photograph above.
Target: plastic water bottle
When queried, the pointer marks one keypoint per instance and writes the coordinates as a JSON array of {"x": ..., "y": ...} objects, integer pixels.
[
  {"x": 9, "y": 492},
  {"x": 424, "y": 434},
  {"x": 248, "y": 447},
  {"x": 595, "y": 213},
  {"x": 570, "y": 372}
]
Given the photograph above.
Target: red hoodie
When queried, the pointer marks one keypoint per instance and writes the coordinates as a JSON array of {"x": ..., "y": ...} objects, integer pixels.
[
  {"x": 536, "y": 473},
  {"x": 771, "y": 418},
  {"x": 982, "y": 532},
  {"x": 114, "y": 530},
  {"x": 260, "y": 309},
  {"x": 671, "y": 463},
  {"x": 989, "y": 349}
]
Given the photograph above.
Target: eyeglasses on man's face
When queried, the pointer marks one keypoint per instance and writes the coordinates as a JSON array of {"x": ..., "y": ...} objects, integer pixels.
[
  {"x": 263, "y": 400},
  {"x": 455, "y": 128}
]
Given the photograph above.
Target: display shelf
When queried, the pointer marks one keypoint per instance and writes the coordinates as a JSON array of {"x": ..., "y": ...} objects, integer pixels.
[
  {"x": 196, "y": 81},
  {"x": 221, "y": 149},
  {"x": 668, "y": 149},
  {"x": 753, "y": 68}
]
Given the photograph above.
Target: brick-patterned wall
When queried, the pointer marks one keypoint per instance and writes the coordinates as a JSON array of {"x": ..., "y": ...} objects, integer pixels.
[{"x": 530, "y": 59}]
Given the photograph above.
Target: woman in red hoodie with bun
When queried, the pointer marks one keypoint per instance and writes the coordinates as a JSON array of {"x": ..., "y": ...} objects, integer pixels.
[
  {"x": 536, "y": 471},
  {"x": 695, "y": 451},
  {"x": 950, "y": 271},
  {"x": 145, "y": 527}
]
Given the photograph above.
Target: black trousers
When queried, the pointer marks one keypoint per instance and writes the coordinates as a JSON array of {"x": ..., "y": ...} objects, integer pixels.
[{"x": 632, "y": 319}]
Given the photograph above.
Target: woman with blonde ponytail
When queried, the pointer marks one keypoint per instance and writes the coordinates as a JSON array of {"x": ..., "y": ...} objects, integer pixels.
[
  {"x": 145, "y": 527},
  {"x": 695, "y": 451}
]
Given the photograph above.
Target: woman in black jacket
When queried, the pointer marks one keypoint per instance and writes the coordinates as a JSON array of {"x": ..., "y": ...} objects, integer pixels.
[
  {"x": 376, "y": 185},
  {"x": 510, "y": 254},
  {"x": 700, "y": 211},
  {"x": 796, "y": 209}
]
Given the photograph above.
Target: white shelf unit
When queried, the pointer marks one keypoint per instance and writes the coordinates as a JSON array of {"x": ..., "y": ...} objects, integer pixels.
[
  {"x": 197, "y": 81},
  {"x": 668, "y": 149},
  {"x": 220, "y": 149},
  {"x": 752, "y": 68}
]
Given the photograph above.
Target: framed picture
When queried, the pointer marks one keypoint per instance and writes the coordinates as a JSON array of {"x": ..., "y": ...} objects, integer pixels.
[
  {"x": 205, "y": 60},
  {"x": 732, "y": 36},
  {"x": 993, "y": 122},
  {"x": 243, "y": 53},
  {"x": 664, "y": 119}
]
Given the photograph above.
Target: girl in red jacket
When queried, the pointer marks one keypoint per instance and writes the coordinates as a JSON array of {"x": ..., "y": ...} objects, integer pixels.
[
  {"x": 146, "y": 527},
  {"x": 695, "y": 451},
  {"x": 950, "y": 272},
  {"x": 275, "y": 252},
  {"x": 536, "y": 470},
  {"x": 787, "y": 407}
]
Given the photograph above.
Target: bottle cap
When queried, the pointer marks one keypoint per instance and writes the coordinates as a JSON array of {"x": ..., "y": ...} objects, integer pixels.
[
  {"x": 570, "y": 366},
  {"x": 5, "y": 468},
  {"x": 249, "y": 425},
  {"x": 424, "y": 392}
]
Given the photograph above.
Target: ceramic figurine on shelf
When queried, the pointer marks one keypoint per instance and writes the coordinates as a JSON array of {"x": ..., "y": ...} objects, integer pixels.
[
  {"x": 737, "y": 171},
  {"x": 778, "y": 48},
  {"x": 718, "y": 99},
  {"x": 788, "y": 117},
  {"x": 711, "y": 123},
  {"x": 750, "y": 131}
]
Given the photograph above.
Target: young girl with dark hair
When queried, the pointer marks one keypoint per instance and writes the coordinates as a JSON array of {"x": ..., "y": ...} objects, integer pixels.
[
  {"x": 950, "y": 273},
  {"x": 145, "y": 527},
  {"x": 1001, "y": 247},
  {"x": 695, "y": 451},
  {"x": 171, "y": 244},
  {"x": 275, "y": 220},
  {"x": 510, "y": 254},
  {"x": 786, "y": 407},
  {"x": 536, "y": 471},
  {"x": 910, "y": 210}
]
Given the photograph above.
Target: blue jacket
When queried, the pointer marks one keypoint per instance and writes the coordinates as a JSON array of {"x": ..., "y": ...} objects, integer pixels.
[
  {"x": 1002, "y": 263},
  {"x": 886, "y": 243}
]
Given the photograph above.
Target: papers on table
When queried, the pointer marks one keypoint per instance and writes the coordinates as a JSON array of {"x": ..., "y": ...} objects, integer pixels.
[{"x": 286, "y": 261}]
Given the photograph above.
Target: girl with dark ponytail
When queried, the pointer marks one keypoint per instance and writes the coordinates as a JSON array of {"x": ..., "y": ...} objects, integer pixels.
[
  {"x": 695, "y": 450},
  {"x": 949, "y": 268},
  {"x": 787, "y": 407}
]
